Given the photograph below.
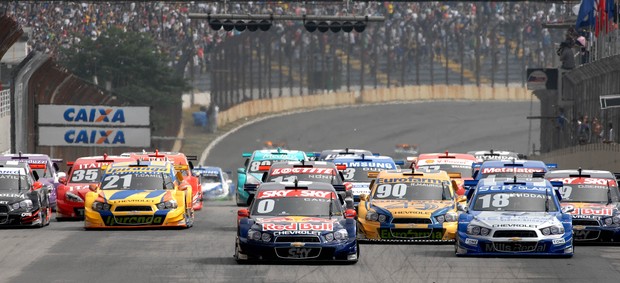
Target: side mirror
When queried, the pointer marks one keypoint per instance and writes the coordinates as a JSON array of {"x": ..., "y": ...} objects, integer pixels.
[
  {"x": 568, "y": 209},
  {"x": 184, "y": 186},
  {"x": 350, "y": 213},
  {"x": 241, "y": 170},
  {"x": 460, "y": 199},
  {"x": 63, "y": 180},
  {"x": 264, "y": 177},
  {"x": 363, "y": 197},
  {"x": 37, "y": 185},
  {"x": 92, "y": 187},
  {"x": 461, "y": 207},
  {"x": 243, "y": 213}
]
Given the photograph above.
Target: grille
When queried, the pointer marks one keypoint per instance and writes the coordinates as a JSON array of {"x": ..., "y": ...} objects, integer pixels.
[
  {"x": 411, "y": 221},
  {"x": 404, "y": 233},
  {"x": 298, "y": 253},
  {"x": 4, "y": 209},
  {"x": 303, "y": 239},
  {"x": 586, "y": 222},
  {"x": 517, "y": 246},
  {"x": 515, "y": 233},
  {"x": 586, "y": 235},
  {"x": 133, "y": 208}
]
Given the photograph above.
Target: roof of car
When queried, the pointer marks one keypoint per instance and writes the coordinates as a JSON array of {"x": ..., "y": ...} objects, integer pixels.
[
  {"x": 302, "y": 184},
  {"x": 569, "y": 172},
  {"x": 447, "y": 155},
  {"x": 507, "y": 163}
]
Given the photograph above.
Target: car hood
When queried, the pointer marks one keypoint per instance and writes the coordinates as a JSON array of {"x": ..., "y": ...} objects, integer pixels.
[
  {"x": 8, "y": 197},
  {"x": 511, "y": 219},
  {"x": 136, "y": 196},
  {"x": 590, "y": 210},
  {"x": 421, "y": 208},
  {"x": 298, "y": 224}
]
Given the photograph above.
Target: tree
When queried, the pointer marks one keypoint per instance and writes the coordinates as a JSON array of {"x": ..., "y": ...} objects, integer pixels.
[{"x": 132, "y": 65}]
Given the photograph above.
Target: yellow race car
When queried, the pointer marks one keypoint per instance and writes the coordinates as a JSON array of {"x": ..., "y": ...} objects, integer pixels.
[
  {"x": 409, "y": 206},
  {"x": 139, "y": 194}
]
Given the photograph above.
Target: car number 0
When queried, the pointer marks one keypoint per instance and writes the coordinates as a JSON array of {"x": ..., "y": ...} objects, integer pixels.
[{"x": 266, "y": 206}]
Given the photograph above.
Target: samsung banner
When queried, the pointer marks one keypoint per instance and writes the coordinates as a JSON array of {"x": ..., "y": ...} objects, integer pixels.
[
  {"x": 93, "y": 115},
  {"x": 94, "y": 136}
]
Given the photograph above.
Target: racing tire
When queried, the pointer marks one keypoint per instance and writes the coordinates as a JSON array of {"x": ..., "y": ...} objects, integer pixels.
[
  {"x": 48, "y": 216},
  {"x": 189, "y": 220},
  {"x": 237, "y": 252},
  {"x": 358, "y": 254},
  {"x": 239, "y": 203},
  {"x": 456, "y": 247}
]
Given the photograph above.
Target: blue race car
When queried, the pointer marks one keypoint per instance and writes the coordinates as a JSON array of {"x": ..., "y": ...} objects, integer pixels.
[
  {"x": 216, "y": 184},
  {"x": 357, "y": 168},
  {"x": 249, "y": 177},
  {"x": 507, "y": 169},
  {"x": 514, "y": 218},
  {"x": 301, "y": 221}
]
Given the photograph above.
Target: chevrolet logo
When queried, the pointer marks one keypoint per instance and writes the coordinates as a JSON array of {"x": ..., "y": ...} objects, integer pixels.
[
  {"x": 579, "y": 227},
  {"x": 515, "y": 239},
  {"x": 297, "y": 244}
]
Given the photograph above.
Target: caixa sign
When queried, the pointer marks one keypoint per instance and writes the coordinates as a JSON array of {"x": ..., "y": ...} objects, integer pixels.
[
  {"x": 93, "y": 115},
  {"x": 94, "y": 136}
]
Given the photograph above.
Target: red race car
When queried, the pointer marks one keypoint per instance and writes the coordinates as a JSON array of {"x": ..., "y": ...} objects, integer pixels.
[
  {"x": 458, "y": 165},
  {"x": 71, "y": 192},
  {"x": 181, "y": 163}
]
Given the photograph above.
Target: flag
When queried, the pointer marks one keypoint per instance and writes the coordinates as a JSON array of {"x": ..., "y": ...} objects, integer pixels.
[
  {"x": 601, "y": 18},
  {"x": 585, "y": 18}
]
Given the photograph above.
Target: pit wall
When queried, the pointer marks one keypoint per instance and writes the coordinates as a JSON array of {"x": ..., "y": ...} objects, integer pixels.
[{"x": 407, "y": 93}]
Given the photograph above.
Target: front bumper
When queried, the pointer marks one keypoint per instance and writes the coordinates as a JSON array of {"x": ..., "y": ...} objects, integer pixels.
[
  {"x": 120, "y": 220},
  {"x": 69, "y": 209},
  {"x": 13, "y": 218},
  {"x": 596, "y": 234},
  {"x": 376, "y": 231},
  {"x": 477, "y": 246},
  {"x": 270, "y": 251}
]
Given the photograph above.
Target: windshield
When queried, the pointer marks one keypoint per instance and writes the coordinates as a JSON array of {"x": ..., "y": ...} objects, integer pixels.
[
  {"x": 359, "y": 174},
  {"x": 412, "y": 191},
  {"x": 296, "y": 206},
  {"x": 82, "y": 176},
  {"x": 588, "y": 193},
  {"x": 12, "y": 182},
  {"x": 137, "y": 182},
  {"x": 528, "y": 202},
  {"x": 209, "y": 179},
  {"x": 450, "y": 168}
]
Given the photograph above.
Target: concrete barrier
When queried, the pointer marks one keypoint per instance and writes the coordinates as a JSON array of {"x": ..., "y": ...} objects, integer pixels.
[{"x": 380, "y": 95}]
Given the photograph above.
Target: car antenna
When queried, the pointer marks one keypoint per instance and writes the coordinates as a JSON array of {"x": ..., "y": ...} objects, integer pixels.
[
  {"x": 608, "y": 193},
  {"x": 515, "y": 178},
  {"x": 579, "y": 171},
  {"x": 331, "y": 202},
  {"x": 546, "y": 200},
  {"x": 296, "y": 182},
  {"x": 19, "y": 180}
]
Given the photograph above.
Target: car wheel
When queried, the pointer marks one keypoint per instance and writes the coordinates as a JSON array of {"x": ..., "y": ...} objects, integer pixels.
[
  {"x": 189, "y": 218},
  {"x": 42, "y": 217},
  {"x": 237, "y": 252}
]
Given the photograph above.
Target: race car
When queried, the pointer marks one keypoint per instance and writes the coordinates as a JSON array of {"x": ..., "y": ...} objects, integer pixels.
[
  {"x": 310, "y": 171},
  {"x": 47, "y": 169},
  {"x": 508, "y": 169},
  {"x": 357, "y": 168},
  {"x": 409, "y": 206},
  {"x": 249, "y": 177},
  {"x": 594, "y": 198},
  {"x": 72, "y": 190},
  {"x": 139, "y": 194},
  {"x": 24, "y": 201},
  {"x": 484, "y": 155},
  {"x": 299, "y": 221},
  {"x": 179, "y": 160},
  {"x": 514, "y": 218},
  {"x": 459, "y": 163},
  {"x": 216, "y": 184},
  {"x": 330, "y": 154}
]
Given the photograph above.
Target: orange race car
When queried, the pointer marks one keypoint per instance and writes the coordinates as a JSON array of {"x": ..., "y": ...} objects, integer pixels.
[
  {"x": 452, "y": 163},
  {"x": 179, "y": 160}
]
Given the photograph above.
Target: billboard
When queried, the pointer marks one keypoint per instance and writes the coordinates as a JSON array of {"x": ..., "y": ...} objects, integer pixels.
[
  {"x": 93, "y": 115},
  {"x": 94, "y": 136}
]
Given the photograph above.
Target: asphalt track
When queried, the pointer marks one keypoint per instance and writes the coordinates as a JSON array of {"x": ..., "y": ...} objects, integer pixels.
[{"x": 64, "y": 252}]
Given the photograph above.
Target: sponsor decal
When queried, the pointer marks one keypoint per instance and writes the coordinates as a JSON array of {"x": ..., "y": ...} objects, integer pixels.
[
  {"x": 586, "y": 181},
  {"x": 12, "y": 195},
  {"x": 512, "y": 188},
  {"x": 128, "y": 220},
  {"x": 93, "y": 165},
  {"x": 11, "y": 171},
  {"x": 448, "y": 161},
  {"x": 288, "y": 171},
  {"x": 299, "y": 252},
  {"x": 378, "y": 165},
  {"x": 296, "y": 232},
  {"x": 298, "y": 226},
  {"x": 146, "y": 169},
  {"x": 94, "y": 115},
  {"x": 559, "y": 242},
  {"x": 410, "y": 180},
  {"x": 410, "y": 233},
  {"x": 514, "y": 226},
  {"x": 91, "y": 136},
  {"x": 296, "y": 193},
  {"x": 511, "y": 170}
]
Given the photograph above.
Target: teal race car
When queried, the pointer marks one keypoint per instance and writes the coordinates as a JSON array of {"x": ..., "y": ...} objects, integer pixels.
[{"x": 249, "y": 177}]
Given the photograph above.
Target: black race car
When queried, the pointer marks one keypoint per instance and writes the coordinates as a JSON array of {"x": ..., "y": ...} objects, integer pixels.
[{"x": 23, "y": 200}]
